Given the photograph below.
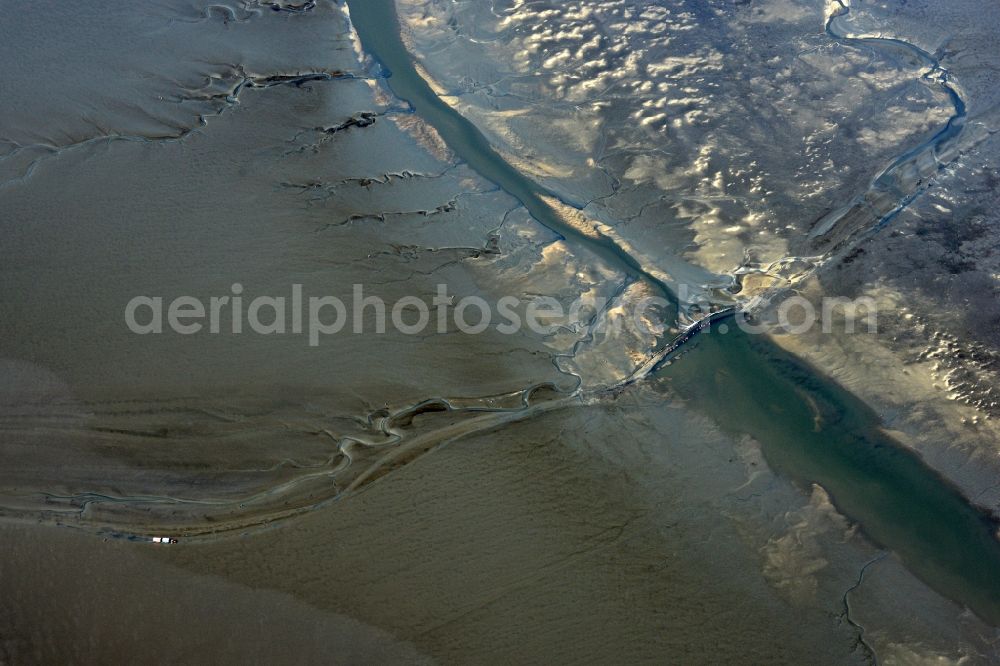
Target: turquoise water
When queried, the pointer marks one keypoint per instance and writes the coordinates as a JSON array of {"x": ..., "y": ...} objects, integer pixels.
[
  {"x": 810, "y": 429},
  {"x": 814, "y": 431}
]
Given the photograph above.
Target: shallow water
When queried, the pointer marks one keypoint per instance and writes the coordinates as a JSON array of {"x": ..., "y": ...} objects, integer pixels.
[
  {"x": 249, "y": 144},
  {"x": 810, "y": 429}
]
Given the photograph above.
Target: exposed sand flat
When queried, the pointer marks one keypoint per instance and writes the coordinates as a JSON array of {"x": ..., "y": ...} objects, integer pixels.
[{"x": 446, "y": 497}]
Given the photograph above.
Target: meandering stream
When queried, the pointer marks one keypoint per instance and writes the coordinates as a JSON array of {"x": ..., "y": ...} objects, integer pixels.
[{"x": 810, "y": 429}]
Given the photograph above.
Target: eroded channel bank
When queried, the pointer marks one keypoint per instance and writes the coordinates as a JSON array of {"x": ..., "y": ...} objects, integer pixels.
[{"x": 810, "y": 429}]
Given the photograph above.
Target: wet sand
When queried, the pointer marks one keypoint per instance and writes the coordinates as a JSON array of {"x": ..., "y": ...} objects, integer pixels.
[{"x": 609, "y": 525}]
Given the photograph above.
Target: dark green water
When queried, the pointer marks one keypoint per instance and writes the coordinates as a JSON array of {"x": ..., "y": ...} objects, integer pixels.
[
  {"x": 811, "y": 430},
  {"x": 377, "y": 26},
  {"x": 814, "y": 431}
]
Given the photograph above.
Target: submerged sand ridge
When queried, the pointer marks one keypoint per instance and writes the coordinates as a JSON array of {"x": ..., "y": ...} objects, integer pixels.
[
  {"x": 903, "y": 514},
  {"x": 329, "y": 181},
  {"x": 230, "y": 97}
]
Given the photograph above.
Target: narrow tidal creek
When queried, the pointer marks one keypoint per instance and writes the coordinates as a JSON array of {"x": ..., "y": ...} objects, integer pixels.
[{"x": 811, "y": 430}]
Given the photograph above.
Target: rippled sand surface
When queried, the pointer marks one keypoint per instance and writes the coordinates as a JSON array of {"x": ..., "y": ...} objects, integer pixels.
[
  {"x": 555, "y": 539},
  {"x": 441, "y": 497},
  {"x": 856, "y": 160}
]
